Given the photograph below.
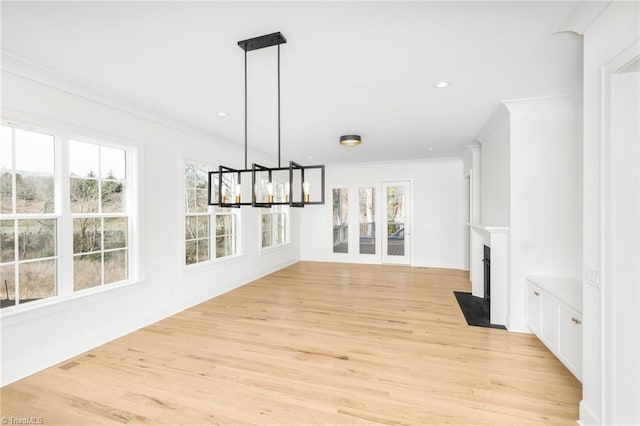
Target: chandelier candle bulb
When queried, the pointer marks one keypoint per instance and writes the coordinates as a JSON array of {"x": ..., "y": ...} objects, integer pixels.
[
  {"x": 238, "y": 192},
  {"x": 270, "y": 192},
  {"x": 305, "y": 188},
  {"x": 286, "y": 192}
]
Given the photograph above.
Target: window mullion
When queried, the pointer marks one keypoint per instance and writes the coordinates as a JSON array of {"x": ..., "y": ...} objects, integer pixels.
[
  {"x": 16, "y": 257},
  {"x": 14, "y": 209},
  {"x": 65, "y": 227},
  {"x": 14, "y": 184}
]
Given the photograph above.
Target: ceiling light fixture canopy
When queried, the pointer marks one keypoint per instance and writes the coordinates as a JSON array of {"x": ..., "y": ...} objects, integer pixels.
[
  {"x": 350, "y": 140},
  {"x": 260, "y": 186}
]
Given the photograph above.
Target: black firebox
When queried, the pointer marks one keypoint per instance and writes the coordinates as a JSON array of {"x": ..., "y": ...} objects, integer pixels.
[{"x": 487, "y": 275}]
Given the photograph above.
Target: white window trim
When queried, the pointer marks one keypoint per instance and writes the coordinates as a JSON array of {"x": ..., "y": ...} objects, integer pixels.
[
  {"x": 213, "y": 261},
  {"x": 63, "y": 133},
  {"x": 274, "y": 247}
]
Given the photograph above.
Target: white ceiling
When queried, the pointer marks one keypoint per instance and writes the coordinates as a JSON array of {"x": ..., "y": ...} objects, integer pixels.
[{"x": 365, "y": 68}]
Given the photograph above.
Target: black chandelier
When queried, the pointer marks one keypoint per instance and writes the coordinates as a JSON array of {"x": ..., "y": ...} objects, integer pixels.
[{"x": 261, "y": 186}]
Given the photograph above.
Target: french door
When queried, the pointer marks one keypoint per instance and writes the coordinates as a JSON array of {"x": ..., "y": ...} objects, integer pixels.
[
  {"x": 396, "y": 217},
  {"x": 371, "y": 223}
]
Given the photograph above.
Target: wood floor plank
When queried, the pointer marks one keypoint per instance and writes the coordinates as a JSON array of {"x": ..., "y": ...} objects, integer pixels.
[{"x": 314, "y": 343}]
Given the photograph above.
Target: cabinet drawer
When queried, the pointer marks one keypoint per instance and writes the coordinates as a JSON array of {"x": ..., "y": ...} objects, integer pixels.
[{"x": 569, "y": 344}]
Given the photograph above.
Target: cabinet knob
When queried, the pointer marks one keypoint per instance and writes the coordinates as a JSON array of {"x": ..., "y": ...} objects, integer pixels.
[
  {"x": 576, "y": 320},
  {"x": 536, "y": 293}
]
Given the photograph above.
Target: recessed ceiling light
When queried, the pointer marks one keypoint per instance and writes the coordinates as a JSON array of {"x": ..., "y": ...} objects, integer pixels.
[
  {"x": 441, "y": 84},
  {"x": 430, "y": 148},
  {"x": 309, "y": 157},
  {"x": 222, "y": 114}
]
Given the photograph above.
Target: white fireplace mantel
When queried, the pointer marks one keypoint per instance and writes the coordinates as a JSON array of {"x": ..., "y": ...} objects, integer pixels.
[{"x": 497, "y": 238}]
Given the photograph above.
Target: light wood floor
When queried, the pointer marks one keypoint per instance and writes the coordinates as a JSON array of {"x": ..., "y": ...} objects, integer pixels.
[{"x": 314, "y": 343}]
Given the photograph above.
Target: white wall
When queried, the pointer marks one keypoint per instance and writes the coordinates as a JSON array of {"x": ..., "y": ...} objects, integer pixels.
[
  {"x": 546, "y": 196},
  {"x": 608, "y": 37},
  {"x": 439, "y": 211},
  {"x": 34, "y": 339},
  {"x": 622, "y": 239},
  {"x": 496, "y": 166},
  {"x": 532, "y": 184}
]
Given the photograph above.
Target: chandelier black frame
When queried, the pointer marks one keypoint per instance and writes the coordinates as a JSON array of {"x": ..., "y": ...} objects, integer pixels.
[{"x": 286, "y": 195}]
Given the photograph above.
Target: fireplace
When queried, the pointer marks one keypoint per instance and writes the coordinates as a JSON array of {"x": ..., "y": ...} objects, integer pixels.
[
  {"x": 487, "y": 275},
  {"x": 494, "y": 268}
]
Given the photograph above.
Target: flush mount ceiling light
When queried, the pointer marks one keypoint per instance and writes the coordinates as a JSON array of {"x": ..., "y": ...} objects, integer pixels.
[
  {"x": 261, "y": 186},
  {"x": 350, "y": 140},
  {"x": 222, "y": 114},
  {"x": 441, "y": 85}
]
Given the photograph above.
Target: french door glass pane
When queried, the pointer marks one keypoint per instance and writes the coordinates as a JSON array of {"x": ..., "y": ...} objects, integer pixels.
[
  {"x": 395, "y": 220},
  {"x": 340, "y": 220},
  {"x": 367, "y": 221}
]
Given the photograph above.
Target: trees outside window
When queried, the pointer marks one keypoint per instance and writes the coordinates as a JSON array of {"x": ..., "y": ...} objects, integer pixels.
[
  {"x": 97, "y": 195},
  {"x": 28, "y": 222},
  {"x": 210, "y": 232},
  {"x": 34, "y": 217},
  {"x": 274, "y": 226}
]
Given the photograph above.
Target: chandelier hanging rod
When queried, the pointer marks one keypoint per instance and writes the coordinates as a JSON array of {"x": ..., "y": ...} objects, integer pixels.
[{"x": 234, "y": 178}]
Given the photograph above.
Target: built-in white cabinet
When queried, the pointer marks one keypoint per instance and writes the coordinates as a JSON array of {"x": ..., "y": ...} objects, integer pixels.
[
  {"x": 570, "y": 339},
  {"x": 554, "y": 314}
]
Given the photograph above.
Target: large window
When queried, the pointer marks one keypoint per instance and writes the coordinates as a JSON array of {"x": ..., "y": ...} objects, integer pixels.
[
  {"x": 34, "y": 217},
  {"x": 210, "y": 232},
  {"x": 28, "y": 222},
  {"x": 99, "y": 211},
  {"x": 274, "y": 226}
]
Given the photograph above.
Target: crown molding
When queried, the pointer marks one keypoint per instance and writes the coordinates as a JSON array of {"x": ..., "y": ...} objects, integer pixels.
[
  {"x": 582, "y": 16},
  {"x": 26, "y": 69},
  {"x": 510, "y": 106},
  {"x": 538, "y": 103}
]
